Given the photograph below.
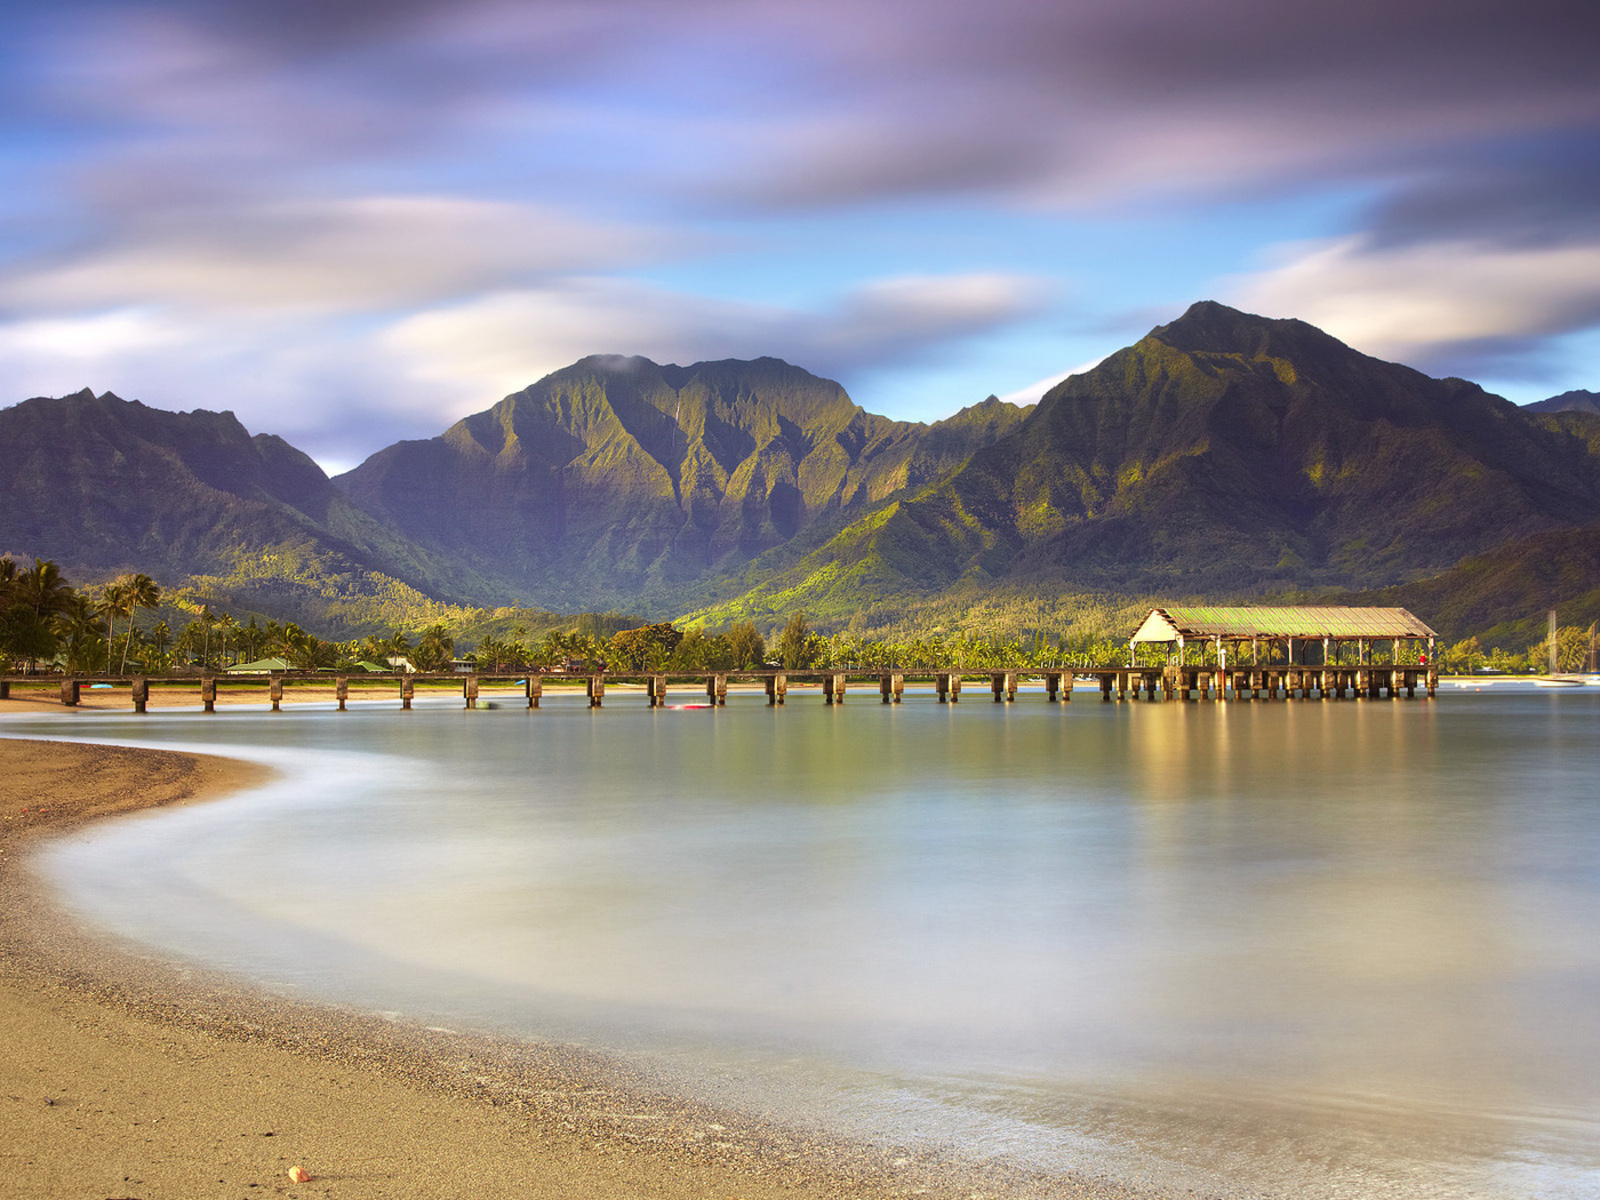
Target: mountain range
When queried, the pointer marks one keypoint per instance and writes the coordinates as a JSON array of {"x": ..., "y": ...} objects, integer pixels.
[{"x": 1222, "y": 455}]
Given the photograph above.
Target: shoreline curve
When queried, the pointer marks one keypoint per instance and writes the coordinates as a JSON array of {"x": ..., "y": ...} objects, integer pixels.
[{"x": 124, "y": 1074}]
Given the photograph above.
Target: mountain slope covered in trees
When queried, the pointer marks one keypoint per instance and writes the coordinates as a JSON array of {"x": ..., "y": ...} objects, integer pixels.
[
  {"x": 1222, "y": 454},
  {"x": 617, "y": 480}
]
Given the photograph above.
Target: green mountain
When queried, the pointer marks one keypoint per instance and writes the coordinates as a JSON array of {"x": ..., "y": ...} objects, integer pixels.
[
  {"x": 618, "y": 481},
  {"x": 1503, "y": 596},
  {"x": 1222, "y": 454},
  {"x": 1574, "y": 401},
  {"x": 103, "y": 485}
]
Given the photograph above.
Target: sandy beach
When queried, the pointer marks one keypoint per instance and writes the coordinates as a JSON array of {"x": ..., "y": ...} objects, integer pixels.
[{"x": 126, "y": 1077}]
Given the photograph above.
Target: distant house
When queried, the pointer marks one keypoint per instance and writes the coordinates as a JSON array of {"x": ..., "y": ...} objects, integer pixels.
[
  {"x": 1302, "y": 633},
  {"x": 260, "y": 666}
]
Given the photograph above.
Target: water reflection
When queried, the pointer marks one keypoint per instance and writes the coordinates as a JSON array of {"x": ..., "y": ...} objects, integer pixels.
[{"x": 1315, "y": 946}]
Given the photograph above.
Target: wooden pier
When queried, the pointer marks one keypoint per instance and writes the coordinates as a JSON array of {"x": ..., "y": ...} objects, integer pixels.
[{"x": 1114, "y": 684}]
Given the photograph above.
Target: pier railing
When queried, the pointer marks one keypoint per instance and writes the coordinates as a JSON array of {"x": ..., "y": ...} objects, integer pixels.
[{"x": 1115, "y": 684}]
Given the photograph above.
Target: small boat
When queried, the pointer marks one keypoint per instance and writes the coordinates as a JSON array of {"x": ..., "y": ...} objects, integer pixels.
[{"x": 1559, "y": 681}]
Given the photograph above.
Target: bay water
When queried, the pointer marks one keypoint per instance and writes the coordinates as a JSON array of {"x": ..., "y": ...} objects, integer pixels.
[{"x": 1329, "y": 948}]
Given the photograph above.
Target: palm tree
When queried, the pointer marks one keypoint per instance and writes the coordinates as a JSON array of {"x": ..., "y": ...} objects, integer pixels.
[
  {"x": 434, "y": 649},
  {"x": 207, "y": 621},
  {"x": 113, "y": 602},
  {"x": 138, "y": 591},
  {"x": 226, "y": 621},
  {"x": 36, "y": 595},
  {"x": 79, "y": 624},
  {"x": 160, "y": 639}
]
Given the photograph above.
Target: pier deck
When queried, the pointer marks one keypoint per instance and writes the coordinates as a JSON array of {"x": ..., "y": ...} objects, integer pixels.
[{"x": 1114, "y": 684}]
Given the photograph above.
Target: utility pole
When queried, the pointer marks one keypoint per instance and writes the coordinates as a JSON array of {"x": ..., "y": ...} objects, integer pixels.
[{"x": 1552, "y": 641}]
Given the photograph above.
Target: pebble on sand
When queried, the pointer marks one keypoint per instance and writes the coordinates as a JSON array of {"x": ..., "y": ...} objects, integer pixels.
[{"x": 299, "y": 1175}]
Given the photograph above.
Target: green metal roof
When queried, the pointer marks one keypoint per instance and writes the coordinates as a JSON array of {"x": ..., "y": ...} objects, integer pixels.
[
  {"x": 261, "y": 664},
  {"x": 1164, "y": 624}
]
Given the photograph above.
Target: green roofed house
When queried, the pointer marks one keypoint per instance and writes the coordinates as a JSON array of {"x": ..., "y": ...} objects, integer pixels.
[
  {"x": 1301, "y": 634},
  {"x": 260, "y": 667}
]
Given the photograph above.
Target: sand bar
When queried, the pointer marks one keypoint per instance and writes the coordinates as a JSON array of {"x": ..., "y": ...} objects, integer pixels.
[{"x": 121, "y": 1076}]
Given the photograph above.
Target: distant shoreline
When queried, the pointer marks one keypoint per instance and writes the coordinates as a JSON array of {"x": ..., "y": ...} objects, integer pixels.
[{"x": 137, "y": 1077}]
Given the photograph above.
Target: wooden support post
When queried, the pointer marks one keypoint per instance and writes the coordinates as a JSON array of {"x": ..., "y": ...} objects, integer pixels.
[
  {"x": 408, "y": 690},
  {"x": 1105, "y": 689},
  {"x": 955, "y": 687},
  {"x": 595, "y": 688},
  {"x": 941, "y": 685},
  {"x": 656, "y": 691},
  {"x": 997, "y": 685},
  {"x": 469, "y": 690},
  {"x": 897, "y": 684},
  {"x": 69, "y": 692},
  {"x": 208, "y": 693},
  {"x": 1122, "y": 687},
  {"x": 341, "y": 690},
  {"x": 141, "y": 693},
  {"x": 717, "y": 690},
  {"x": 833, "y": 685},
  {"x": 5, "y": 689},
  {"x": 777, "y": 688},
  {"x": 1052, "y": 686},
  {"x": 1433, "y": 679},
  {"x": 1067, "y": 678},
  {"x": 891, "y": 687},
  {"x": 533, "y": 689}
]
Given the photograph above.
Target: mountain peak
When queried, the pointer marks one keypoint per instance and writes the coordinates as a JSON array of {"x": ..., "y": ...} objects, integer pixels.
[
  {"x": 1574, "y": 401},
  {"x": 1210, "y": 327}
]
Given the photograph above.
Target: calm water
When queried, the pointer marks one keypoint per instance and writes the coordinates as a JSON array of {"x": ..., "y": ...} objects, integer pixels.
[{"x": 1330, "y": 949}]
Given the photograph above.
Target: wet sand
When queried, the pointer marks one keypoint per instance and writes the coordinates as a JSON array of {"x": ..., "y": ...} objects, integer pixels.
[{"x": 125, "y": 1076}]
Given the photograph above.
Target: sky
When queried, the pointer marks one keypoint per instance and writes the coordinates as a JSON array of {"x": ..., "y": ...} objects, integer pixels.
[{"x": 351, "y": 221}]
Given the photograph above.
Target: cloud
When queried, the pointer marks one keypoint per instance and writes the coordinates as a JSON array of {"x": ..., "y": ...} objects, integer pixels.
[
  {"x": 1034, "y": 392},
  {"x": 422, "y": 203},
  {"x": 1437, "y": 304},
  {"x": 806, "y": 102},
  {"x": 374, "y": 252},
  {"x": 501, "y": 343},
  {"x": 342, "y": 388}
]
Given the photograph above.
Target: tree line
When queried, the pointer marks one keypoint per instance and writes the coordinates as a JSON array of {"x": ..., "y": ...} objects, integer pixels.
[{"x": 45, "y": 622}]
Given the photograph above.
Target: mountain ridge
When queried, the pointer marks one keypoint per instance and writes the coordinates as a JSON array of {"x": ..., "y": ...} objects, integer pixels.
[
  {"x": 617, "y": 477},
  {"x": 1222, "y": 455}
]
